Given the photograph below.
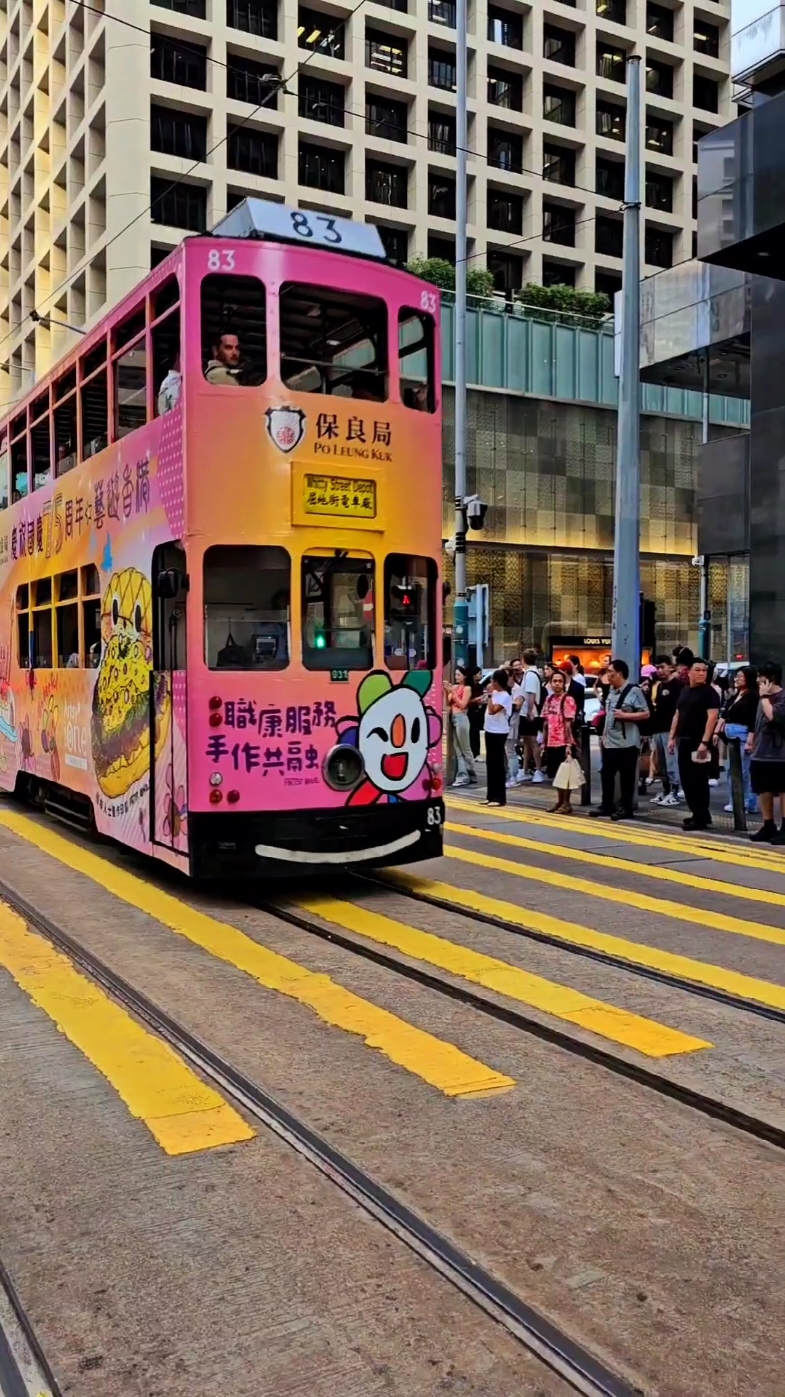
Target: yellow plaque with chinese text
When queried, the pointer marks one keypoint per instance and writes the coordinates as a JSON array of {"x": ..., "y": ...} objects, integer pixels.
[{"x": 339, "y": 496}]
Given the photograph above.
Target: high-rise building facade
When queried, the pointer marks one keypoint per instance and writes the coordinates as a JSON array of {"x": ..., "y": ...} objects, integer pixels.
[{"x": 342, "y": 106}]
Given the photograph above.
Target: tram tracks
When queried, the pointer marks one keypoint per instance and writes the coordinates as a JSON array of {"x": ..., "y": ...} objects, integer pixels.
[
  {"x": 24, "y": 1371},
  {"x": 667, "y": 1087},
  {"x": 582, "y": 1370},
  {"x": 606, "y": 958}
]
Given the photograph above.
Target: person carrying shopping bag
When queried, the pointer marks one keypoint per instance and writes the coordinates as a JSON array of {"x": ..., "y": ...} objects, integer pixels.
[
  {"x": 568, "y": 778},
  {"x": 458, "y": 698},
  {"x": 558, "y": 716}
]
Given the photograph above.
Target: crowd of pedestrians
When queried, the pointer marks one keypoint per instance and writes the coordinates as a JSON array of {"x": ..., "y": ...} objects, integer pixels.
[{"x": 674, "y": 724}]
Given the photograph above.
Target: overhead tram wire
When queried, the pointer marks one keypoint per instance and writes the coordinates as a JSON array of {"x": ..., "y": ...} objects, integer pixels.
[
  {"x": 274, "y": 89},
  {"x": 348, "y": 111},
  {"x": 280, "y": 86}
]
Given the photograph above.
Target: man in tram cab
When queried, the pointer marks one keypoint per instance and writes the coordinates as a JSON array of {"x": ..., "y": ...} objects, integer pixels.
[{"x": 225, "y": 366}]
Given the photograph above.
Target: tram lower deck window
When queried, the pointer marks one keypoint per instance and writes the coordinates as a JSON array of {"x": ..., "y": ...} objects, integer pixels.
[
  {"x": 333, "y": 342},
  {"x": 409, "y": 612},
  {"x": 246, "y": 607},
  {"x": 337, "y": 610}
]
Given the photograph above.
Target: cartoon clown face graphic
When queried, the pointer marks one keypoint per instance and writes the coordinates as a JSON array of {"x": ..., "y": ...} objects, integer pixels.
[{"x": 394, "y": 732}]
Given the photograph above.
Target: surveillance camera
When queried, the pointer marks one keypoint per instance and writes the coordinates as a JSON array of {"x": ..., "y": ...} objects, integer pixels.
[
  {"x": 475, "y": 512},
  {"x": 449, "y": 547}
]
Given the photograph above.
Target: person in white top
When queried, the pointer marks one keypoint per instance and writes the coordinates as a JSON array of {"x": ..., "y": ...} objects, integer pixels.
[
  {"x": 516, "y": 695},
  {"x": 529, "y": 724},
  {"x": 170, "y": 390},
  {"x": 497, "y": 728}
]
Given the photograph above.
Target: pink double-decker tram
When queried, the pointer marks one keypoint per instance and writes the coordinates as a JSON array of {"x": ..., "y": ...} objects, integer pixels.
[{"x": 220, "y": 534}]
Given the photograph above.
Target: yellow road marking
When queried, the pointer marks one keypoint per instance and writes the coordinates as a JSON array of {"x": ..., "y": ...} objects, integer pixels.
[
  {"x": 611, "y": 864},
  {"x": 701, "y": 972},
  {"x": 179, "y": 1110},
  {"x": 647, "y": 1036},
  {"x": 698, "y": 849},
  {"x": 439, "y": 1063},
  {"x": 711, "y": 921}
]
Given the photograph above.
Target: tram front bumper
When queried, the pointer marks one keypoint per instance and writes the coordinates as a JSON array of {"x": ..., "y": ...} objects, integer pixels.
[{"x": 293, "y": 842}]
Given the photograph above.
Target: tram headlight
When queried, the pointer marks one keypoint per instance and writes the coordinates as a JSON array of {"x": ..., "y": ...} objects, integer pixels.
[
  {"x": 343, "y": 767},
  {"x": 216, "y": 779}
]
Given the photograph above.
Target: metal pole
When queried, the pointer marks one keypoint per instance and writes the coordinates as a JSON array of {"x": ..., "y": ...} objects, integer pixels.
[
  {"x": 461, "y": 608},
  {"x": 704, "y": 625},
  {"x": 626, "y": 551}
]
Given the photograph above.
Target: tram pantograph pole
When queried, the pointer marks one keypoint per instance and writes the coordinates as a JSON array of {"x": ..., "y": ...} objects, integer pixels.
[
  {"x": 461, "y": 607},
  {"x": 626, "y": 551}
]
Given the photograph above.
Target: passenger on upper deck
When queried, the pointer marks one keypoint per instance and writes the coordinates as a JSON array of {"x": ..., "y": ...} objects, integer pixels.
[
  {"x": 225, "y": 367},
  {"x": 171, "y": 388}
]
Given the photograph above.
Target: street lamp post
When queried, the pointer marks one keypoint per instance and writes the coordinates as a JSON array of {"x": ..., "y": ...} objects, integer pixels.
[{"x": 626, "y": 551}]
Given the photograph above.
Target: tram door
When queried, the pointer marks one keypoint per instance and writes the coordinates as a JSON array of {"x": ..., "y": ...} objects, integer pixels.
[{"x": 168, "y": 697}]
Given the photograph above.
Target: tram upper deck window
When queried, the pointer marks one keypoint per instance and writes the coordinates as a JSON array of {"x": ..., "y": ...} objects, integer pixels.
[
  {"x": 234, "y": 330},
  {"x": 410, "y": 629},
  {"x": 4, "y": 493},
  {"x": 416, "y": 359},
  {"x": 333, "y": 342},
  {"x": 246, "y": 607},
  {"x": 337, "y": 610}
]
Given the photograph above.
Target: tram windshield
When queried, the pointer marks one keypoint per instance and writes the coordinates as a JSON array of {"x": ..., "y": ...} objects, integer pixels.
[{"x": 338, "y": 610}]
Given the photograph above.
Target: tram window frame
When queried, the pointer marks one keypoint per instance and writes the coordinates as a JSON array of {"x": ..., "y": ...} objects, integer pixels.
[
  {"x": 138, "y": 403},
  {"x": 418, "y": 576},
  {"x": 65, "y": 430},
  {"x": 408, "y": 315},
  {"x": 369, "y": 381},
  {"x": 41, "y": 625},
  {"x": 23, "y": 625},
  {"x": 244, "y": 317},
  {"x": 330, "y": 655},
  {"x": 5, "y": 462},
  {"x": 90, "y": 597},
  {"x": 229, "y": 568},
  {"x": 94, "y": 400},
  {"x": 20, "y": 461},
  {"x": 67, "y": 613},
  {"x": 166, "y": 355}
]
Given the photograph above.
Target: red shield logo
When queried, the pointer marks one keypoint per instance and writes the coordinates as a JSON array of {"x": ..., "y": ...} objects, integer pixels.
[{"x": 285, "y": 427}]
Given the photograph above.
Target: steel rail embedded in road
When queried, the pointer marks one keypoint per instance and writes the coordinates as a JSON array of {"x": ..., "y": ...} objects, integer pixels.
[
  {"x": 577, "y": 1366},
  {"x": 623, "y": 1067},
  {"x": 646, "y": 972},
  {"x": 24, "y": 1371}
]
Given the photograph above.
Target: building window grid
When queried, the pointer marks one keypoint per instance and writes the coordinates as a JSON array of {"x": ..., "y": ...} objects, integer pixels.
[{"x": 242, "y": 14}]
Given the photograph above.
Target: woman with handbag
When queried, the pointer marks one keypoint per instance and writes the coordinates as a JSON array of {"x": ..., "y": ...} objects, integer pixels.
[{"x": 558, "y": 716}]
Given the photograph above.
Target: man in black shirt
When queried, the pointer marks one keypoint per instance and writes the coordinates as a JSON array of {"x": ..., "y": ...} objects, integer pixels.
[
  {"x": 692, "y": 729},
  {"x": 669, "y": 686}
]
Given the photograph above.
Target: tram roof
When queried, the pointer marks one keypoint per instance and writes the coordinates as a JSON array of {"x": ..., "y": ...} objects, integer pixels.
[{"x": 263, "y": 219}]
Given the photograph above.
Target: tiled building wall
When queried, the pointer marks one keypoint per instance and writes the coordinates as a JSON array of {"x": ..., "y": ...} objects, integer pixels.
[{"x": 546, "y": 469}]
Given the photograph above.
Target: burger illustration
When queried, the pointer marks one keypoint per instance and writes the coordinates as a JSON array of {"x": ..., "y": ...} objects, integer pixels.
[{"x": 120, "y": 727}]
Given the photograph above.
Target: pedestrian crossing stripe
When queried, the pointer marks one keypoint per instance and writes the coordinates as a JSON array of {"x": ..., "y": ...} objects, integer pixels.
[
  {"x": 157, "y": 1086},
  {"x": 612, "y": 863},
  {"x": 754, "y": 857},
  {"x": 662, "y": 907},
  {"x": 571, "y": 933},
  {"x": 433, "y": 1060},
  {"x": 646, "y": 1036}
]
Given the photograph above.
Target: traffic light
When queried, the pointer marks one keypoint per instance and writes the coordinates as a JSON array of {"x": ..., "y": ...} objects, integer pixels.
[{"x": 404, "y": 598}]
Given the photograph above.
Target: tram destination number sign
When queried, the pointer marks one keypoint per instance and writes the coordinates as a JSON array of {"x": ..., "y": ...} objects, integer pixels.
[{"x": 340, "y": 496}]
